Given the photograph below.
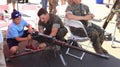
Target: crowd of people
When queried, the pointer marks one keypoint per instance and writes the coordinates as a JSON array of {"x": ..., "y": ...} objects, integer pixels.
[
  {"x": 52, "y": 5},
  {"x": 51, "y": 24}
]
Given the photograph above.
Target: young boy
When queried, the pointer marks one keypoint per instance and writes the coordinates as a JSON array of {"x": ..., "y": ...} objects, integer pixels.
[{"x": 16, "y": 32}]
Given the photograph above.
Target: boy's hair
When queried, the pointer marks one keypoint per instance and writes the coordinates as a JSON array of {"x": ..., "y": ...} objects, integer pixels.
[{"x": 41, "y": 12}]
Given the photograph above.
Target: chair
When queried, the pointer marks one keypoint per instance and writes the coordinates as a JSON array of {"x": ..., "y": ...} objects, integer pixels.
[
  {"x": 113, "y": 45},
  {"x": 74, "y": 38},
  {"x": 29, "y": 14},
  {"x": 113, "y": 37}
]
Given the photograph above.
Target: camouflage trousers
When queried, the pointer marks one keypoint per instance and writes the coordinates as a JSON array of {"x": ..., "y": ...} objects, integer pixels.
[
  {"x": 52, "y": 6},
  {"x": 118, "y": 20},
  {"x": 11, "y": 1},
  {"x": 96, "y": 34}
]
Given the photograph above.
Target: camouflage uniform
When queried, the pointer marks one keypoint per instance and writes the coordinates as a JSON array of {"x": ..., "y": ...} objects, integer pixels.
[
  {"x": 118, "y": 16},
  {"x": 95, "y": 33},
  {"x": 69, "y": 1},
  {"x": 52, "y": 6}
]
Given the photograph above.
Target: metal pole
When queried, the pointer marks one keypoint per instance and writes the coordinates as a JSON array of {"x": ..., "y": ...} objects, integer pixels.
[{"x": 17, "y": 6}]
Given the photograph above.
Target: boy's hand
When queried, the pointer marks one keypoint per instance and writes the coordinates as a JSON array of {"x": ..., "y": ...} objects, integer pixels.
[{"x": 29, "y": 37}]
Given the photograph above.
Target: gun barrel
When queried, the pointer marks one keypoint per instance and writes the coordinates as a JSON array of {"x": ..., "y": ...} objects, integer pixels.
[{"x": 46, "y": 38}]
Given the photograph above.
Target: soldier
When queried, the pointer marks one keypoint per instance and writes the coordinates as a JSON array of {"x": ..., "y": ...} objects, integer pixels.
[
  {"x": 51, "y": 25},
  {"x": 52, "y": 6},
  {"x": 79, "y": 11}
]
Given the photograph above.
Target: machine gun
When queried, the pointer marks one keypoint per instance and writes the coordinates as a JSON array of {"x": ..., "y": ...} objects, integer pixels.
[
  {"x": 111, "y": 14},
  {"x": 45, "y": 38}
]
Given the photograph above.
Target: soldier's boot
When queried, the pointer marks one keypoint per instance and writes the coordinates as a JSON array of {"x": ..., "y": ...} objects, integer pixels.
[
  {"x": 105, "y": 51},
  {"x": 98, "y": 49}
]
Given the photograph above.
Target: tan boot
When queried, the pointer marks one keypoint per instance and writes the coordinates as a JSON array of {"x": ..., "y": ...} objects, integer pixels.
[
  {"x": 105, "y": 51},
  {"x": 98, "y": 50}
]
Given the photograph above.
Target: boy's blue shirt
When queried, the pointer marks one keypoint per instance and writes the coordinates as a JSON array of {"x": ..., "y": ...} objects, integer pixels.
[{"x": 16, "y": 30}]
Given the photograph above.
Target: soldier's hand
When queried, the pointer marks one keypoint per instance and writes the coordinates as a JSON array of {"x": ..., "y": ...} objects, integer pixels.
[{"x": 89, "y": 17}]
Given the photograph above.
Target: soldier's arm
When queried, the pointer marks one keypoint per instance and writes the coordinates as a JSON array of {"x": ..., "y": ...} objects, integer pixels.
[
  {"x": 54, "y": 30},
  {"x": 74, "y": 17}
]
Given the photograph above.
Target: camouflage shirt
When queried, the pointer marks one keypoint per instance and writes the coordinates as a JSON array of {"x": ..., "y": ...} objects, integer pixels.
[
  {"x": 79, "y": 10},
  {"x": 54, "y": 21}
]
